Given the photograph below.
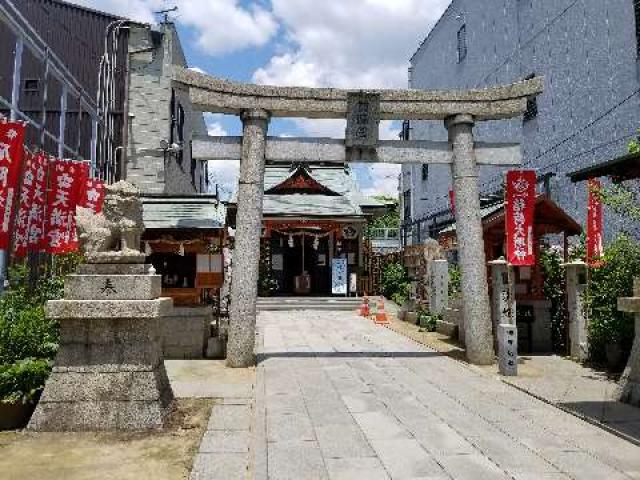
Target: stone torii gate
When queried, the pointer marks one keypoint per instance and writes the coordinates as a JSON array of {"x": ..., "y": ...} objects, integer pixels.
[{"x": 256, "y": 104}]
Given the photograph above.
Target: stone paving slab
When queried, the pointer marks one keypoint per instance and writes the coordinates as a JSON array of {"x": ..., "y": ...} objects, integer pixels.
[{"x": 378, "y": 405}]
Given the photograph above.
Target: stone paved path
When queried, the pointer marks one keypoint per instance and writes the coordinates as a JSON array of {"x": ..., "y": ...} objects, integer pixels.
[{"x": 340, "y": 398}]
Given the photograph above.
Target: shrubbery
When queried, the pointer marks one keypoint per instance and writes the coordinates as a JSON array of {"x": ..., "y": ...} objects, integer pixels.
[
  {"x": 395, "y": 283},
  {"x": 612, "y": 280},
  {"x": 28, "y": 340}
]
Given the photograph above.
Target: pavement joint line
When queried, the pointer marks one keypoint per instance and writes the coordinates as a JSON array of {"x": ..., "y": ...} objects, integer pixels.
[{"x": 585, "y": 418}]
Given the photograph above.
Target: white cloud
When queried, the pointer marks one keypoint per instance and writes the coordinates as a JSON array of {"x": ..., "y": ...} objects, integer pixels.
[
  {"x": 349, "y": 44},
  {"x": 221, "y": 26},
  {"x": 223, "y": 173}
]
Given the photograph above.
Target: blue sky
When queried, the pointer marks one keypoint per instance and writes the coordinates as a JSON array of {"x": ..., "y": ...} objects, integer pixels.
[{"x": 327, "y": 43}]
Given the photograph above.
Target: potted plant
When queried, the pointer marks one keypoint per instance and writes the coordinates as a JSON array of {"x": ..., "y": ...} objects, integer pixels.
[{"x": 20, "y": 386}]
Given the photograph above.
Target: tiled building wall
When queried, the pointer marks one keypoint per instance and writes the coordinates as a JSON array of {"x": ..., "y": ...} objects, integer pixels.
[{"x": 587, "y": 52}]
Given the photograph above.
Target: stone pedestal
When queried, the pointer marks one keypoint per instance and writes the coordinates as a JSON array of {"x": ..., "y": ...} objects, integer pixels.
[
  {"x": 576, "y": 273},
  {"x": 438, "y": 286},
  {"x": 629, "y": 388},
  {"x": 109, "y": 373}
]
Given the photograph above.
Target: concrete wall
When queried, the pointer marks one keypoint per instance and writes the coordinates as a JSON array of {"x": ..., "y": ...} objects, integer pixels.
[
  {"x": 185, "y": 333},
  {"x": 586, "y": 49},
  {"x": 152, "y": 55}
]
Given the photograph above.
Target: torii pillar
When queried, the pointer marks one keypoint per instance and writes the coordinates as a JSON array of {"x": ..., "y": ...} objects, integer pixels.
[
  {"x": 476, "y": 307},
  {"x": 244, "y": 286}
]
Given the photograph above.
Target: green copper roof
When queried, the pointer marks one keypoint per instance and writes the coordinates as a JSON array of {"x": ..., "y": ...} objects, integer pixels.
[{"x": 168, "y": 213}]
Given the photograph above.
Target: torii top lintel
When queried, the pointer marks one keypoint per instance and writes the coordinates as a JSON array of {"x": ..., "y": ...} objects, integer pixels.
[{"x": 211, "y": 94}]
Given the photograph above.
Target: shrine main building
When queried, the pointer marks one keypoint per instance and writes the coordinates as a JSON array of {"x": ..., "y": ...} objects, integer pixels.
[{"x": 313, "y": 214}]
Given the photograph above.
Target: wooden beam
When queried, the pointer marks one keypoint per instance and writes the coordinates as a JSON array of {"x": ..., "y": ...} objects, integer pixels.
[{"x": 330, "y": 150}]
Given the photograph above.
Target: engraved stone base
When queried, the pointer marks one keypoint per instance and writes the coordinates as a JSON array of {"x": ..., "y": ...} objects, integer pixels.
[{"x": 109, "y": 372}]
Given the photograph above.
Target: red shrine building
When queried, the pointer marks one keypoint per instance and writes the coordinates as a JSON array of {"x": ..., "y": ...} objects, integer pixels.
[{"x": 312, "y": 215}]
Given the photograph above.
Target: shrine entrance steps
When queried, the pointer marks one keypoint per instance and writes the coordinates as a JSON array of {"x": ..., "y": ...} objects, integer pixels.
[{"x": 309, "y": 303}]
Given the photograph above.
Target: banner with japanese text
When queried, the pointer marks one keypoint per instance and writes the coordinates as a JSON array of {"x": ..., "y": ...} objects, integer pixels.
[
  {"x": 29, "y": 226},
  {"x": 66, "y": 180},
  {"x": 595, "y": 248},
  {"x": 93, "y": 193},
  {"x": 452, "y": 202},
  {"x": 11, "y": 155},
  {"x": 520, "y": 201}
]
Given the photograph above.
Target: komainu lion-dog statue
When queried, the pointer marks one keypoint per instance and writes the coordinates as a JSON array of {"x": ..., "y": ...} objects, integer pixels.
[{"x": 113, "y": 236}]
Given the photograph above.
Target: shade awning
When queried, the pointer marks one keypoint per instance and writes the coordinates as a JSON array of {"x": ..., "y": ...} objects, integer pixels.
[{"x": 626, "y": 167}]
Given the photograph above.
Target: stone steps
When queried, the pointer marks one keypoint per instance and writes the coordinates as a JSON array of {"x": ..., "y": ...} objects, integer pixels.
[{"x": 308, "y": 303}]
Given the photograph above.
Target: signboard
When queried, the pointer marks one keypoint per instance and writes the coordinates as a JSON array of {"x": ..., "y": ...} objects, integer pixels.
[
  {"x": 339, "y": 276},
  {"x": 520, "y": 203},
  {"x": 594, "y": 224},
  {"x": 363, "y": 120},
  {"x": 29, "y": 227}
]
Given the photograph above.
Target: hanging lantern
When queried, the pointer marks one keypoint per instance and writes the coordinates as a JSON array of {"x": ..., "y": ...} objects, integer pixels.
[
  {"x": 181, "y": 250},
  {"x": 147, "y": 249},
  {"x": 316, "y": 242},
  {"x": 290, "y": 241}
]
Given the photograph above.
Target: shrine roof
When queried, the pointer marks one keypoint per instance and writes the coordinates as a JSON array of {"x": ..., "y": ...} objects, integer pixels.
[
  {"x": 196, "y": 212},
  {"x": 310, "y": 206},
  {"x": 549, "y": 218}
]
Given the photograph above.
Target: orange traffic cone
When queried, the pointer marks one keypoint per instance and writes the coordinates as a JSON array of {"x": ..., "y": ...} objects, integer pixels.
[
  {"x": 364, "y": 308},
  {"x": 381, "y": 316}
]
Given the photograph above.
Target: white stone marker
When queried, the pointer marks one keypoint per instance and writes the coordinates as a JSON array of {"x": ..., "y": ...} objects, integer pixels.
[
  {"x": 576, "y": 273},
  {"x": 508, "y": 350},
  {"x": 438, "y": 286},
  {"x": 629, "y": 389}
]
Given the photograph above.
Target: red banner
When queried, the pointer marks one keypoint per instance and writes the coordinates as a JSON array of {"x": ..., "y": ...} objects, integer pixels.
[
  {"x": 595, "y": 248},
  {"x": 66, "y": 181},
  {"x": 520, "y": 203},
  {"x": 93, "y": 195},
  {"x": 29, "y": 230},
  {"x": 11, "y": 153},
  {"x": 452, "y": 202}
]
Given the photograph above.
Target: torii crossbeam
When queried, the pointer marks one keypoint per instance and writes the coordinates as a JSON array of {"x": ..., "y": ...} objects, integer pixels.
[{"x": 256, "y": 104}]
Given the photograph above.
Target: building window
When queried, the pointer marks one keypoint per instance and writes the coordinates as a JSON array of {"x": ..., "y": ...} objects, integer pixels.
[
  {"x": 462, "y": 43},
  {"x": 31, "y": 85},
  {"x": 532, "y": 104},
  {"x": 636, "y": 8},
  {"x": 406, "y": 202},
  {"x": 425, "y": 172}
]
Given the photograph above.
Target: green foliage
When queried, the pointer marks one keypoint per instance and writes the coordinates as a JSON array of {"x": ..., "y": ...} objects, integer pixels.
[
  {"x": 427, "y": 320},
  {"x": 554, "y": 290},
  {"x": 391, "y": 219},
  {"x": 621, "y": 199},
  {"x": 395, "y": 283},
  {"x": 28, "y": 340},
  {"x": 609, "y": 282},
  {"x": 23, "y": 380},
  {"x": 455, "y": 281}
]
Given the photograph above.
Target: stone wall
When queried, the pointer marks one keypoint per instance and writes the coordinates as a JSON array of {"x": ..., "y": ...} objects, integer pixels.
[
  {"x": 185, "y": 332},
  {"x": 587, "y": 54}
]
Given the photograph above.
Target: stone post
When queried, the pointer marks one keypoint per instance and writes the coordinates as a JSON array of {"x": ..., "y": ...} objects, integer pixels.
[
  {"x": 576, "y": 273},
  {"x": 629, "y": 387},
  {"x": 475, "y": 295},
  {"x": 438, "y": 286},
  {"x": 244, "y": 287},
  {"x": 503, "y": 312}
]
